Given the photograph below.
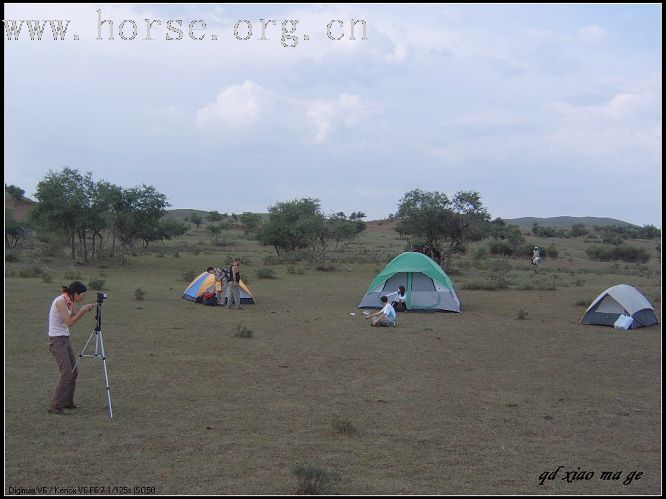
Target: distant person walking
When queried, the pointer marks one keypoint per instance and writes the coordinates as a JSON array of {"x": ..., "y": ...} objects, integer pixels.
[
  {"x": 536, "y": 258},
  {"x": 61, "y": 316},
  {"x": 233, "y": 287}
]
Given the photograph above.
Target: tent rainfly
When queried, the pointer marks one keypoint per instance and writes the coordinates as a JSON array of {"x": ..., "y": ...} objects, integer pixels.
[
  {"x": 427, "y": 287},
  {"x": 619, "y": 300}
]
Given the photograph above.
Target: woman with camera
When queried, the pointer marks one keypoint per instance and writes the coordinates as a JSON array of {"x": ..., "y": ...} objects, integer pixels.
[{"x": 61, "y": 316}]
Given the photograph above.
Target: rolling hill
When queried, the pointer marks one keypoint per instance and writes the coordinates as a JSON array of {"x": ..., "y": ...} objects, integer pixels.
[{"x": 563, "y": 222}]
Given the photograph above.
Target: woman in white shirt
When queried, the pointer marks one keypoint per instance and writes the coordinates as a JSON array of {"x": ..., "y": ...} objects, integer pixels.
[{"x": 61, "y": 316}]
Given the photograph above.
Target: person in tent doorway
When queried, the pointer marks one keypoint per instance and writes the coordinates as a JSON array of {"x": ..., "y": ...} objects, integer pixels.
[
  {"x": 61, "y": 317},
  {"x": 386, "y": 317},
  {"x": 536, "y": 258},
  {"x": 232, "y": 294},
  {"x": 398, "y": 299},
  {"x": 219, "y": 284}
]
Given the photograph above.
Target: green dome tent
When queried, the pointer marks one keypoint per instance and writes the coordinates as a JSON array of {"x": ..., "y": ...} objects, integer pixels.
[{"x": 427, "y": 285}]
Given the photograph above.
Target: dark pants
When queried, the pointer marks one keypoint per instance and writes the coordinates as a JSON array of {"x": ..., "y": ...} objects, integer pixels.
[{"x": 63, "y": 394}]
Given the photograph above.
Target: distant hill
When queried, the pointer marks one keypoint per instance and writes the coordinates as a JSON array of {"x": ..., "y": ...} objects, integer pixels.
[
  {"x": 21, "y": 208},
  {"x": 564, "y": 222},
  {"x": 181, "y": 215}
]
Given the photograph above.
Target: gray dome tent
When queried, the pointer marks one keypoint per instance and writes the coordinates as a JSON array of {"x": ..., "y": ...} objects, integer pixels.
[{"x": 618, "y": 300}]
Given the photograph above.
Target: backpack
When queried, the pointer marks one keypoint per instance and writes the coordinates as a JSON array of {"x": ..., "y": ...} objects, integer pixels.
[
  {"x": 226, "y": 275},
  {"x": 209, "y": 299}
]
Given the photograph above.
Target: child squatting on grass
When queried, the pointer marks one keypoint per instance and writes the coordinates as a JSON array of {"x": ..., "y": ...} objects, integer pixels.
[{"x": 386, "y": 317}]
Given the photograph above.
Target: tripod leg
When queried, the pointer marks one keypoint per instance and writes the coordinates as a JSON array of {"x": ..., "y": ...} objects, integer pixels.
[
  {"x": 106, "y": 374},
  {"x": 84, "y": 349}
]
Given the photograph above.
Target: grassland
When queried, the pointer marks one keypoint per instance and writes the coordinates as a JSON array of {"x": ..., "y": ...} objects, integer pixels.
[{"x": 315, "y": 400}]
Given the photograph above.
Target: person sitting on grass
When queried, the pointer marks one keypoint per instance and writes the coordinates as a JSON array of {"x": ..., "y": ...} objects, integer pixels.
[{"x": 385, "y": 317}]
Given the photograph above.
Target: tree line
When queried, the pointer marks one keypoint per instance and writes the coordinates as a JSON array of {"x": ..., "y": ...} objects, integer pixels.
[{"x": 99, "y": 219}]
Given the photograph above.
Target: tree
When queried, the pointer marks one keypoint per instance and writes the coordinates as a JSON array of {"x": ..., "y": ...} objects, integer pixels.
[
  {"x": 291, "y": 225},
  {"x": 196, "y": 219},
  {"x": 498, "y": 229},
  {"x": 15, "y": 231},
  {"x": 445, "y": 224},
  {"x": 214, "y": 216},
  {"x": 578, "y": 230},
  {"x": 139, "y": 209},
  {"x": 62, "y": 201},
  {"x": 16, "y": 193},
  {"x": 251, "y": 221}
]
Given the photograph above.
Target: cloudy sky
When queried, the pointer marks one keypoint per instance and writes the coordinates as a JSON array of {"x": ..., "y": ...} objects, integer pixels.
[{"x": 546, "y": 110}]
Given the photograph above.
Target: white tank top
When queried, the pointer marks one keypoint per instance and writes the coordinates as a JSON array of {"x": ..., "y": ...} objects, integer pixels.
[{"x": 57, "y": 326}]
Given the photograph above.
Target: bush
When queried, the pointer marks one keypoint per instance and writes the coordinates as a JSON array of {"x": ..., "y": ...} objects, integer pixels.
[
  {"x": 243, "y": 332},
  {"x": 312, "y": 480},
  {"x": 271, "y": 260},
  {"x": 188, "y": 276},
  {"x": 522, "y": 315},
  {"x": 139, "y": 293},
  {"x": 492, "y": 283},
  {"x": 293, "y": 270},
  {"x": 343, "y": 425},
  {"x": 500, "y": 248},
  {"x": 96, "y": 284},
  {"x": 73, "y": 275},
  {"x": 622, "y": 252},
  {"x": 481, "y": 253},
  {"x": 11, "y": 257},
  {"x": 265, "y": 274}
]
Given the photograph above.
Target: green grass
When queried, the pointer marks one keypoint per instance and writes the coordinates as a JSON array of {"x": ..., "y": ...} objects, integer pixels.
[{"x": 471, "y": 403}]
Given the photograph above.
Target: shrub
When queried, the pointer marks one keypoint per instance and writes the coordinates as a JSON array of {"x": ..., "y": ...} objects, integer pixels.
[
  {"x": 47, "y": 277},
  {"x": 96, "y": 284},
  {"x": 312, "y": 480},
  {"x": 293, "y": 270},
  {"x": 622, "y": 252},
  {"x": 271, "y": 260},
  {"x": 522, "y": 315},
  {"x": 343, "y": 425},
  {"x": 243, "y": 332},
  {"x": 265, "y": 274},
  {"x": 487, "y": 283},
  {"x": 551, "y": 252},
  {"x": 11, "y": 257},
  {"x": 188, "y": 276},
  {"x": 72, "y": 275},
  {"x": 481, "y": 253},
  {"x": 500, "y": 248},
  {"x": 139, "y": 293}
]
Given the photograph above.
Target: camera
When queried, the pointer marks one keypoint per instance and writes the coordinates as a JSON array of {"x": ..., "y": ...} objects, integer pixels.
[{"x": 101, "y": 297}]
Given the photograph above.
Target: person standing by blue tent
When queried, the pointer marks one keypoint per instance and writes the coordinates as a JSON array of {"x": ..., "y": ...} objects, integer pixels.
[{"x": 232, "y": 293}]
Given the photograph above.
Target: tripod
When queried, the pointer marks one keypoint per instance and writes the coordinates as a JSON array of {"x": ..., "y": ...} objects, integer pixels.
[{"x": 99, "y": 351}]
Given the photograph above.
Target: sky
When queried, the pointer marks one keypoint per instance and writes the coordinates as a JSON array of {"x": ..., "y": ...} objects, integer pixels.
[{"x": 545, "y": 110}]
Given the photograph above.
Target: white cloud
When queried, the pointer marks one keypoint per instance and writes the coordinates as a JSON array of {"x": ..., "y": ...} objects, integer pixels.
[
  {"x": 237, "y": 106},
  {"x": 330, "y": 116},
  {"x": 592, "y": 34}
]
